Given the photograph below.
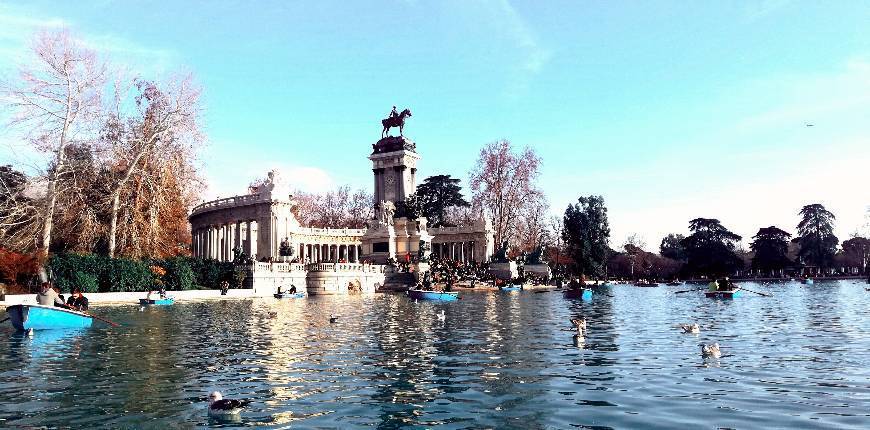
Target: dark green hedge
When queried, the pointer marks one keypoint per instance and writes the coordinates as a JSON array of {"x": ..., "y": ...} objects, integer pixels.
[{"x": 95, "y": 273}]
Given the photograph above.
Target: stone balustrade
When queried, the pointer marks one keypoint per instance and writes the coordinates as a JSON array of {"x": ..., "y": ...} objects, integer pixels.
[
  {"x": 228, "y": 202},
  {"x": 346, "y": 267}
]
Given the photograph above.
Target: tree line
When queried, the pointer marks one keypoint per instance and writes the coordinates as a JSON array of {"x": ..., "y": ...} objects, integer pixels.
[{"x": 710, "y": 249}]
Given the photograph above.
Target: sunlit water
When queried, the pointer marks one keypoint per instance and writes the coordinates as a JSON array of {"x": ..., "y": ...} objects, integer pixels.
[{"x": 799, "y": 359}]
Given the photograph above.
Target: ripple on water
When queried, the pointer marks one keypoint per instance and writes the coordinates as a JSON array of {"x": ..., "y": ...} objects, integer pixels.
[{"x": 798, "y": 359}]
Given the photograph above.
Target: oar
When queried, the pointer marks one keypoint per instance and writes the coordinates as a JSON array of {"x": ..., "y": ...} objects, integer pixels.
[
  {"x": 756, "y": 292},
  {"x": 686, "y": 291},
  {"x": 4, "y": 320},
  {"x": 113, "y": 324}
]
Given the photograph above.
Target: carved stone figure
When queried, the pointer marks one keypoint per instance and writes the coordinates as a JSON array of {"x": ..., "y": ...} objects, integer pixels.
[
  {"x": 286, "y": 250},
  {"x": 501, "y": 255},
  {"x": 387, "y": 211},
  {"x": 537, "y": 256},
  {"x": 425, "y": 250},
  {"x": 395, "y": 121}
]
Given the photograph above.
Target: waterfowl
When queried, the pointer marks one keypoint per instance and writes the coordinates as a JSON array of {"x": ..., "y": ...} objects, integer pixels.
[
  {"x": 333, "y": 318},
  {"x": 710, "y": 350},
  {"x": 442, "y": 316},
  {"x": 219, "y": 406},
  {"x": 579, "y": 324},
  {"x": 690, "y": 328}
]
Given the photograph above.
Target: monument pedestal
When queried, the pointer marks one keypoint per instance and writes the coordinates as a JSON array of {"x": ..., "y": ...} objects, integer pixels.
[
  {"x": 538, "y": 269},
  {"x": 505, "y": 271},
  {"x": 379, "y": 244}
]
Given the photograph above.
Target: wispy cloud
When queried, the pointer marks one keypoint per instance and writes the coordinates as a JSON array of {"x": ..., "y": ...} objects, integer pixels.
[
  {"x": 534, "y": 55},
  {"x": 18, "y": 26}
]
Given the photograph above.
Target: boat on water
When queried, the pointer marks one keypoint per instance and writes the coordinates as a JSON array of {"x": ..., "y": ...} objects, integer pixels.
[
  {"x": 724, "y": 294},
  {"x": 674, "y": 284},
  {"x": 163, "y": 301},
  {"x": 807, "y": 281},
  {"x": 444, "y": 296},
  {"x": 646, "y": 284},
  {"x": 581, "y": 293},
  {"x": 296, "y": 295},
  {"x": 39, "y": 317},
  {"x": 509, "y": 288}
]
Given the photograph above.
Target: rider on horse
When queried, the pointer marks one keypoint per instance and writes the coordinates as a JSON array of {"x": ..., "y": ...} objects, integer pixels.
[{"x": 394, "y": 113}]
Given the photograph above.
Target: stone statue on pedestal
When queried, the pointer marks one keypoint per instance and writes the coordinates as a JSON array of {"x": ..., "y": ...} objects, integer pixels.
[
  {"x": 501, "y": 255},
  {"x": 386, "y": 210},
  {"x": 395, "y": 120},
  {"x": 537, "y": 256}
]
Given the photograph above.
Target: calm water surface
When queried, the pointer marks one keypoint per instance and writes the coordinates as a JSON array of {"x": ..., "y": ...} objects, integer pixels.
[{"x": 800, "y": 359}]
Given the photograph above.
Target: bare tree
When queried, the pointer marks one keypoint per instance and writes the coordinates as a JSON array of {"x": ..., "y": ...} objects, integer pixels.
[
  {"x": 533, "y": 226},
  {"x": 502, "y": 182},
  {"x": 55, "y": 101},
  {"x": 165, "y": 122}
]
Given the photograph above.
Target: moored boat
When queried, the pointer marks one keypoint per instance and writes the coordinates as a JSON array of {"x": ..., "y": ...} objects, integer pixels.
[
  {"x": 445, "y": 296},
  {"x": 581, "y": 293},
  {"x": 163, "y": 301},
  {"x": 724, "y": 294},
  {"x": 39, "y": 317},
  {"x": 296, "y": 295}
]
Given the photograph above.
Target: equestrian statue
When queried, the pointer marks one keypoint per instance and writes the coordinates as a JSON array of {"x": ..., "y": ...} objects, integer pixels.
[{"x": 395, "y": 119}]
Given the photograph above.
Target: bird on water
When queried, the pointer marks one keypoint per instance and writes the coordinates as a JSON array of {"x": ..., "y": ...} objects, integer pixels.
[
  {"x": 711, "y": 350},
  {"x": 690, "y": 328},
  {"x": 220, "y": 407}
]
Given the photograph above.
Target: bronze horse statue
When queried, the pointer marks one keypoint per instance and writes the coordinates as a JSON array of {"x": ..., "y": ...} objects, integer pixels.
[{"x": 397, "y": 121}]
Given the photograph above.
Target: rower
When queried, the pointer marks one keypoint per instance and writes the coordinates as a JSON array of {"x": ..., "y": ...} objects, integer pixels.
[
  {"x": 292, "y": 289},
  {"x": 48, "y": 297},
  {"x": 713, "y": 286},
  {"x": 77, "y": 301}
]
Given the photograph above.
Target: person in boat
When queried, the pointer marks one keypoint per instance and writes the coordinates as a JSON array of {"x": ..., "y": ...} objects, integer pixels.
[
  {"x": 48, "y": 297},
  {"x": 292, "y": 289},
  {"x": 713, "y": 286},
  {"x": 279, "y": 290},
  {"x": 77, "y": 301}
]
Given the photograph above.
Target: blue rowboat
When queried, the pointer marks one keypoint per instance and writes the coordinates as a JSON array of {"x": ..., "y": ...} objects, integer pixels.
[
  {"x": 511, "y": 288},
  {"x": 296, "y": 295},
  {"x": 808, "y": 281},
  {"x": 38, "y": 317},
  {"x": 164, "y": 301},
  {"x": 732, "y": 294},
  {"x": 443, "y": 296},
  {"x": 583, "y": 294}
]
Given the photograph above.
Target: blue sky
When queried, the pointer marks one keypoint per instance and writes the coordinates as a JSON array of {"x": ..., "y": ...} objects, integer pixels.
[{"x": 671, "y": 110}]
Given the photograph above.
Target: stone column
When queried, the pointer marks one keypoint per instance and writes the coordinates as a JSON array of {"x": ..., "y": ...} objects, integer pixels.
[
  {"x": 253, "y": 235},
  {"x": 358, "y": 252}
]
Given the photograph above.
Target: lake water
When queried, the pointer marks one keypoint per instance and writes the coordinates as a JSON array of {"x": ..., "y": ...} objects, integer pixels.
[{"x": 799, "y": 359}]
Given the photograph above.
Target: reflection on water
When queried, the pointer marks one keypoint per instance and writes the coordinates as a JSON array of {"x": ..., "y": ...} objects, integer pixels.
[{"x": 498, "y": 360}]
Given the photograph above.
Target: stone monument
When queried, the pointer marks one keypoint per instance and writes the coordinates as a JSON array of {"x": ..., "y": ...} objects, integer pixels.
[
  {"x": 536, "y": 265},
  {"x": 501, "y": 266},
  {"x": 394, "y": 165}
]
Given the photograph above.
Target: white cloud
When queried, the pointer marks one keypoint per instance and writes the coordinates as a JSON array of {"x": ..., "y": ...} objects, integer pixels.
[{"x": 226, "y": 178}]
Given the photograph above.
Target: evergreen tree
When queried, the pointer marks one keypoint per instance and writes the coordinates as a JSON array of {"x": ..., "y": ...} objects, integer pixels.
[
  {"x": 671, "y": 247},
  {"x": 586, "y": 235},
  {"x": 436, "y": 194},
  {"x": 816, "y": 239},
  {"x": 770, "y": 245},
  {"x": 710, "y": 248}
]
